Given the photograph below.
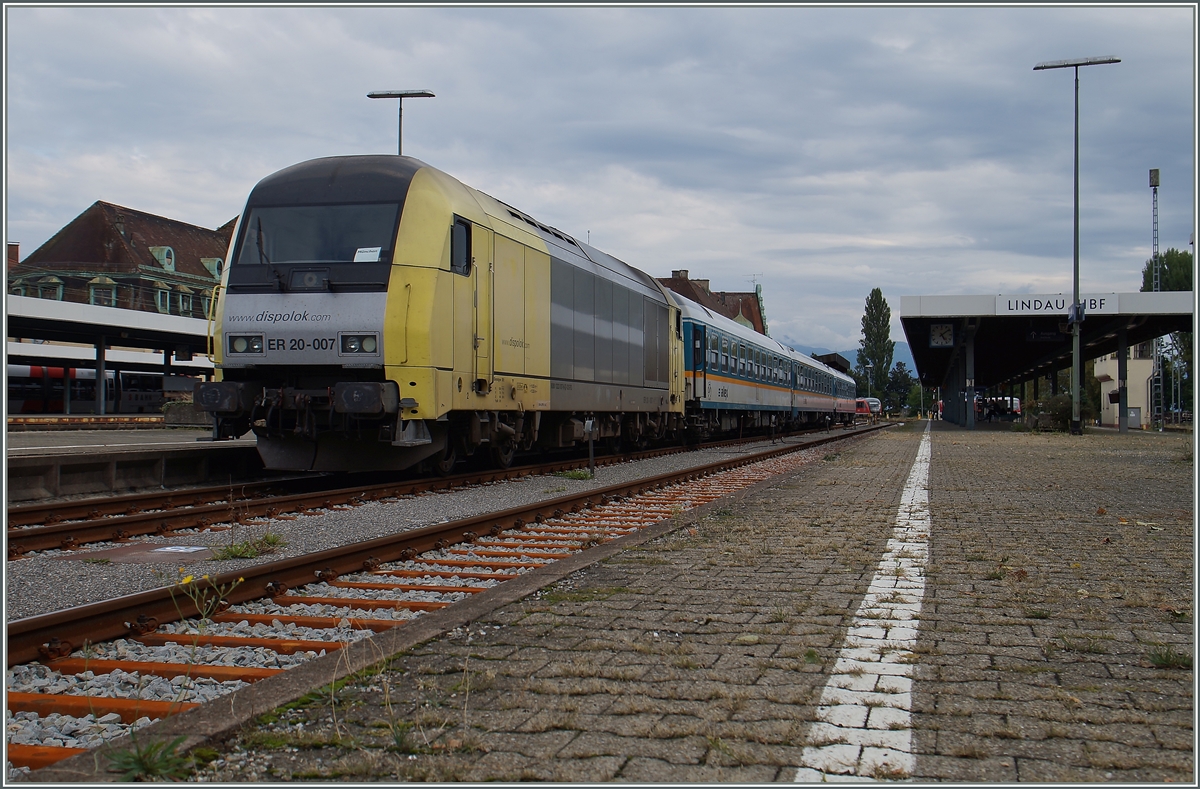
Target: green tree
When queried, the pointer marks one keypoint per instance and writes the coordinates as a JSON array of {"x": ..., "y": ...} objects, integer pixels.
[
  {"x": 919, "y": 398},
  {"x": 899, "y": 382},
  {"x": 876, "y": 346},
  {"x": 1175, "y": 273}
]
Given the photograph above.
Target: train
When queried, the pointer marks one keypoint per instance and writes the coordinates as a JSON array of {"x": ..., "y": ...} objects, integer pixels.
[
  {"x": 37, "y": 389},
  {"x": 379, "y": 314}
]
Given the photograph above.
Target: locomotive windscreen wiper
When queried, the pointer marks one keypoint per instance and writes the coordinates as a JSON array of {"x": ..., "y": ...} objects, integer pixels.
[{"x": 262, "y": 256}]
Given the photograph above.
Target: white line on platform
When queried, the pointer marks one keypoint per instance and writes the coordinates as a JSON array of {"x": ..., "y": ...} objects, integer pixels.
[{"x": 863, "y": 729}]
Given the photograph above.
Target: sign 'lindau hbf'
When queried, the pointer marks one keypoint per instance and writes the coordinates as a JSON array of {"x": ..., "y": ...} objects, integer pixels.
[{"x": 1056, "y": 304}]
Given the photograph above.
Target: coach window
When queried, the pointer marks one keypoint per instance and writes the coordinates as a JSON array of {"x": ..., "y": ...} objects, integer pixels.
[
  {"x": 741, "y": 357},
  {"x": 460, "y": 247},
  {"x": 714, "y": 352}
]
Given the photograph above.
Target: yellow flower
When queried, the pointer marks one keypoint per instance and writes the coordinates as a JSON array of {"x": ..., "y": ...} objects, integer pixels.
[{"x": 187, "y": 580}]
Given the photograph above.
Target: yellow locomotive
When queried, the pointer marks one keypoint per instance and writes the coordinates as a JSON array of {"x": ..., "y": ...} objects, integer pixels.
[{"x": 376, "y": 313}]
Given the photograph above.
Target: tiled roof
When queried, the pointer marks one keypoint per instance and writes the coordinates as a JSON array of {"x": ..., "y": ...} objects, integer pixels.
[{"x": 109, "y": 237}]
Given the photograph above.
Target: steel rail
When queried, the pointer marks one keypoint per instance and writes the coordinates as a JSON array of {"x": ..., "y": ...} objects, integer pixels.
[
  {"x": 57, "y": 634},
  {"x": 164, "y": 512}
]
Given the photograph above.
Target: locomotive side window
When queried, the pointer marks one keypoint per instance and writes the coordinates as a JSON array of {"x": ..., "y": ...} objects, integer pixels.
[{"x": 460, "y": 247}]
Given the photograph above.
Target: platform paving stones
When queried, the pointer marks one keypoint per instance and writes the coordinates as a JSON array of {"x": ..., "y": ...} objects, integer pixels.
[
  {"x": 1059, "y": 567},
  {"x": 701, "y": 656}
]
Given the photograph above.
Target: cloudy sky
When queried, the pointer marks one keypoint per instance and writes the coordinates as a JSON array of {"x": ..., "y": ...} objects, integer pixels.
[{"x": 820, "y": 152}]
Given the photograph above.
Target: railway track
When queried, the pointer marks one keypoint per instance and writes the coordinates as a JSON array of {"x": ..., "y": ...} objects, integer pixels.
[
  {"x": 322, "y": 603},
  {"x": 68, "y": 525}
]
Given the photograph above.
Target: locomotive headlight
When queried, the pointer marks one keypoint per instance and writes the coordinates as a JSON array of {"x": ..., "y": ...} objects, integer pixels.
[
  {"x": 250, "y": 343},
  {"x": 359, "y": 344}
]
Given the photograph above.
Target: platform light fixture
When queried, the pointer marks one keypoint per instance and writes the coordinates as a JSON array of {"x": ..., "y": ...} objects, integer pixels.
[
  {"x": 1076, "y": 363},
  {"x": 400, "y": 95}
]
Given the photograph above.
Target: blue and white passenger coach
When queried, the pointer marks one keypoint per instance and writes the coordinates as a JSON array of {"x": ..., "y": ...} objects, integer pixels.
[{"x": 738, "y": 379}]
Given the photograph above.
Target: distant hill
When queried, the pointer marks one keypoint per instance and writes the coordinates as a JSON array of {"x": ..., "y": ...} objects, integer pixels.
[{"x": 902, "y": 353}]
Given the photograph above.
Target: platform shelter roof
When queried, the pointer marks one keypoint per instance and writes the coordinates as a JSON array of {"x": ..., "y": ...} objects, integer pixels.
[{"x": 1024, "y": 336}]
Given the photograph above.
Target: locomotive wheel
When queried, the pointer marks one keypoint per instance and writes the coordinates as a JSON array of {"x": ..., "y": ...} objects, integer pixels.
[
  {"x": 445, "y": 461},
  {"x": 502, "y": 453}
]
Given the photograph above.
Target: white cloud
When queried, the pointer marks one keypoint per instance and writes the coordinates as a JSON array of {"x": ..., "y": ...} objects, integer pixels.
[{"x": 825, "y": 151}]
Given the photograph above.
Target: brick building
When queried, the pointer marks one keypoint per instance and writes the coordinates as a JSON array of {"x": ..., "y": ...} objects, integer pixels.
[
  {"x": 745, "y": 308},
  {"x": 113, "y": 256}
]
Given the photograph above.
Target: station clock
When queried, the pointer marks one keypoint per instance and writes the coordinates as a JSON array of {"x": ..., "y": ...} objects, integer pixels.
[{"x": 941, "y": 335}]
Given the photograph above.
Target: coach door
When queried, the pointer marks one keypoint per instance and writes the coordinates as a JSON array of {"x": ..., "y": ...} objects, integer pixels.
[
  {"x": 793, "y": 382},
  {"x": 482, "y": 271},
  {"x": 699, "y": 356}
]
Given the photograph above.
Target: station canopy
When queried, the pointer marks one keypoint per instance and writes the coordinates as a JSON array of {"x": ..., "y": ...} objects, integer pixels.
[
  {"x": 54, "y": 321},
  {"x": 1021, "y": 337}
]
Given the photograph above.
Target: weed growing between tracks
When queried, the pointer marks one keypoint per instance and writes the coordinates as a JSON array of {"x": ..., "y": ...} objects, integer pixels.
[
  {"x": 251, "y": 548},
  {"x": 207, "y": 598},
  {"x": 158, "y": 760}
]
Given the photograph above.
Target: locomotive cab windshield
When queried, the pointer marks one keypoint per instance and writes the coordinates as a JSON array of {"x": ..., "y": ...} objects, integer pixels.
[{"x": 316, "y": 247}]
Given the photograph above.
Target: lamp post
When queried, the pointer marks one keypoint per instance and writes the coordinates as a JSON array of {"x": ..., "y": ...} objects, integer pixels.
[
  {"x": 1076, "y": 363},
  {"x": 401, "y": 95}
]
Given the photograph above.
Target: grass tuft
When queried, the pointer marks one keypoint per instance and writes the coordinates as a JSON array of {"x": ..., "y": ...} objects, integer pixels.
[
  {"x": 250, "y": 549},
  {"x": 1168, "y": 657}
]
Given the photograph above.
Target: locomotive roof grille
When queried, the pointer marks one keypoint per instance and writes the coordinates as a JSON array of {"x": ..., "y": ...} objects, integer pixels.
[{"x": 540, "y": 226}]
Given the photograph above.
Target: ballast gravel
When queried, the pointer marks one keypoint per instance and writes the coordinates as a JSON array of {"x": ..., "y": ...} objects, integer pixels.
[
  {"x": 46, "y": 581},
  {"x": 36, "y": 678},
  {"x": 65, "y": 731},
  {"x": 339, "y": 612},
  {"x": 246, "y": 657},
  {"x": 288, "y": 630}
]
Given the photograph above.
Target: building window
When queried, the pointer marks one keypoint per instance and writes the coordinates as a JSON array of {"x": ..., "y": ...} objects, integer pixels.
[
  {"x": 165, "y": 257},
  {"x": 102, "y": 296},
  {"x": 214, "y": 266},
  {"x": 102, "y": 292},
  {"x": 50, "y": 288},
  {"x": 162, "y": 300}
]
